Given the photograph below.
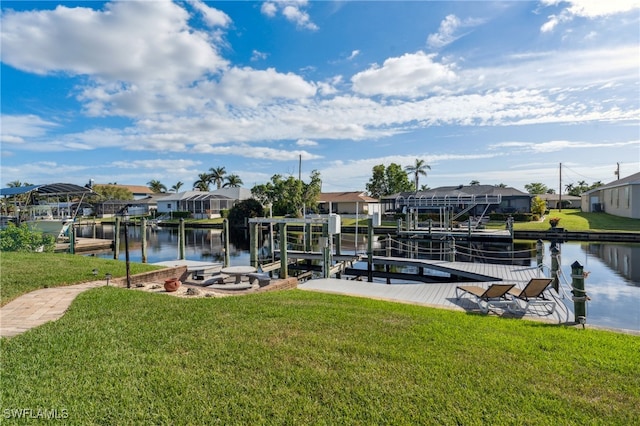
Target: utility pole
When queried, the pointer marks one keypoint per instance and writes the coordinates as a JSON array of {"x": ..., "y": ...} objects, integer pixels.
[{"x": 560, "y": 191}]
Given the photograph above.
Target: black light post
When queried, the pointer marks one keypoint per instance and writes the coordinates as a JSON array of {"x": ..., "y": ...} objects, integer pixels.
[
  {"x": 126, "y": 252},
  {"x": 122, "y": 212}
]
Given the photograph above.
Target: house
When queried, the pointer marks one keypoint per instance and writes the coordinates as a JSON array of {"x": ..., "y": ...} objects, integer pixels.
[
  {"x": 347, "y": 203},
  {"x": 568, "y": 201},
  {"x": 476, "y": 199},
  {"x": 620, "y": 198},
  {"x": 139, "y": 191},
  {"x": 202, "y": 204}
]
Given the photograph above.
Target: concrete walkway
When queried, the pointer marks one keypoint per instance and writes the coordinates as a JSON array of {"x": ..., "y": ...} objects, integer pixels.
[{"x": 38, "y": 307}]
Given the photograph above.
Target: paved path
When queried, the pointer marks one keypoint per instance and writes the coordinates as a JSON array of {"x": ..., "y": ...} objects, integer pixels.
[{"x": 38, "y": 307}]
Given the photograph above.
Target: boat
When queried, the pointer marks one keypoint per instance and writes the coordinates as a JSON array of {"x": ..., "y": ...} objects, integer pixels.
[{"x": 42, "y": 208}]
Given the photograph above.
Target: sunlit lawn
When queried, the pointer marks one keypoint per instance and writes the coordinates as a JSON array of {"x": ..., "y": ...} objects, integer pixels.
[
  {"x": 127, "y": 357},
  {"x": 24, "y": 272},
  {"x": 576, "y": 220}
]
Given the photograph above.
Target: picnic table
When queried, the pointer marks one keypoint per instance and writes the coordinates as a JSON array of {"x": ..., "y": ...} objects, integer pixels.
[{"x": 238, "y": 271}]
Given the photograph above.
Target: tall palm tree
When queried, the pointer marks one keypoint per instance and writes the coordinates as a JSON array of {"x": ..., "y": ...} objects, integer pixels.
[
  {"x": 203, "y": 182},
  {"x": 233, "y": 181},
  {"x": 419, "y": 168},
  {"x": 217, "y": 176},
  {"x": 175, "y": 188},
  {"x": 156, "y": 186}
]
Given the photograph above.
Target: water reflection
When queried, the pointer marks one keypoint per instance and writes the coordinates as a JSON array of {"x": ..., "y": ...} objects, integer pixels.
[{"x": 623, "y": 259}]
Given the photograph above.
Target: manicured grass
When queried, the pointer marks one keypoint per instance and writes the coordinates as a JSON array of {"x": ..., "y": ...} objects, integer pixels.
[
  {"x": 25, "y": 272},
  {"x": 123, "y": 356},
  {"x": 576, "y": 220}
]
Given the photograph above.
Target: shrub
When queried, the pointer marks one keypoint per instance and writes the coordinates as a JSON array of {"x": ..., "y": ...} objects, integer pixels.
[
  {"x": 24, "y": 239},
  {"x": 243, "y": 210}
]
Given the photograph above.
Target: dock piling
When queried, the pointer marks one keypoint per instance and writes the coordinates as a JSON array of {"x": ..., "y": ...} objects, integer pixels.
[{"x": 579, "y": 294}]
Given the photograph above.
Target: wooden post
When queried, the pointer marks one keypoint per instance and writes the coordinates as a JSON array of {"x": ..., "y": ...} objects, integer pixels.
[
  {"x": 326, "y": 251},
  {"x": 389, "y": 247},
  {"x": 181, "y": 242},
  {"x": 253, "y": 244},
  {"x": 308, "y": 237},
  {"x": 539, "y": 254},
  {"x": 579, "y": 294},
  {"x": 555, "y": 267},
  {"x": 225, "y": 231},
  {"x": 116, "y": 238},
  {"x": 72, "y": 239},
  {"x": 143, "y": 230},
  {"x": 338, "y": 249},
  {"x": 282, "y": 230}
]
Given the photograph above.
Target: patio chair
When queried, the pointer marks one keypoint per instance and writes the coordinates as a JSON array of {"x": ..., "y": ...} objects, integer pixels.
[
  {"x": 533, "y": 294},
  {"x": 494, "y": 296}
]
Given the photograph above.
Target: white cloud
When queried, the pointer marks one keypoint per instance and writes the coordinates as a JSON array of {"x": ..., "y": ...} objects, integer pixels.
[
  {"x": 212, "y": 17},
  {"x": 292, "y": 10},
  {"x": 256, "y": 152},
  {"x": 256, "y": 55},
  {"x": 306, "y": 142},
  {"x": 16, "y": 129},
  {"x": 353, "y": 54},
  {"x": 134, "y": 42},
  {"x": 412, "y": 75},
  {"x": 590, "y": 9},
  {"x": 249, "y": 87},
  {"x": 269, "y": 9},
  {"x": 448, "y": 31},
  {"x": 556, "y": 146}
]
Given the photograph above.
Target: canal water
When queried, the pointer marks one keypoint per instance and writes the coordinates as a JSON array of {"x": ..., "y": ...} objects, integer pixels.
[{"x": 613, "y": 281}]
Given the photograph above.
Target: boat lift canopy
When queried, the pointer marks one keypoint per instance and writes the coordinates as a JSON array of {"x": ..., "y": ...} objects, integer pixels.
[{"x": 52, "y": 189}]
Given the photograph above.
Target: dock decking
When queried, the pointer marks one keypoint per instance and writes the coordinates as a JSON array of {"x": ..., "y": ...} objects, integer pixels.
[{"x": 443, "y": 295}]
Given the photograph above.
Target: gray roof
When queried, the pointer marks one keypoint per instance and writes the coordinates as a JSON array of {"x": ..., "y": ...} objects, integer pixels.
[
  {"x": 462, "y": 190},
  {"x": 633, "y": 179},
  {"x": 48, "y": 189}
]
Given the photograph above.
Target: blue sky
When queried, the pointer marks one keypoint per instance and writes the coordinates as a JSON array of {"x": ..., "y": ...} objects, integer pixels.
[{"x": 498, "y": 92}]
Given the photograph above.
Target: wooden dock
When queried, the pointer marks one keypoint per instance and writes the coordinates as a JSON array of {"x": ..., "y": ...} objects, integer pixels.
[
  {"x": 85, "y": 245},
  {"x": 439, "y": 295}
]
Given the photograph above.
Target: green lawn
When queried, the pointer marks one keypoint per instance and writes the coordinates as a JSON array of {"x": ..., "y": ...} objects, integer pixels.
[
  {"x": 576, "y": 220},
  {"x": 25, "y": 272},
  {"x": 123, "y": 356}
]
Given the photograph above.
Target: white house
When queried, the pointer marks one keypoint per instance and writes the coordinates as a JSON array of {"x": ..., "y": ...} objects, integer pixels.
[
  {"x": 202, "y": 204},
  {"x": 347, "y": 203},
  {"x": 620, "y": 198}
]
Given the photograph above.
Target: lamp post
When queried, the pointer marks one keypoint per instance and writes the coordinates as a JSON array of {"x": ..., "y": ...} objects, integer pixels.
[
  {"x": 123, "y": 212},
  {"x": 107, "y": 276}
]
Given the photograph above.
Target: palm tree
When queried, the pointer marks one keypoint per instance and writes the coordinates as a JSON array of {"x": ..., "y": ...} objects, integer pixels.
[
  {"x": 175, "y": 188},
  {"x": 217, "y": 176},
  {"x": 568, "y": 188},
  {"x": 233, "y": 181},
  {"x": 156, "y": 186},
  {"x": 419, "y": 168},
  {"x": 203, "y": 182}
]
